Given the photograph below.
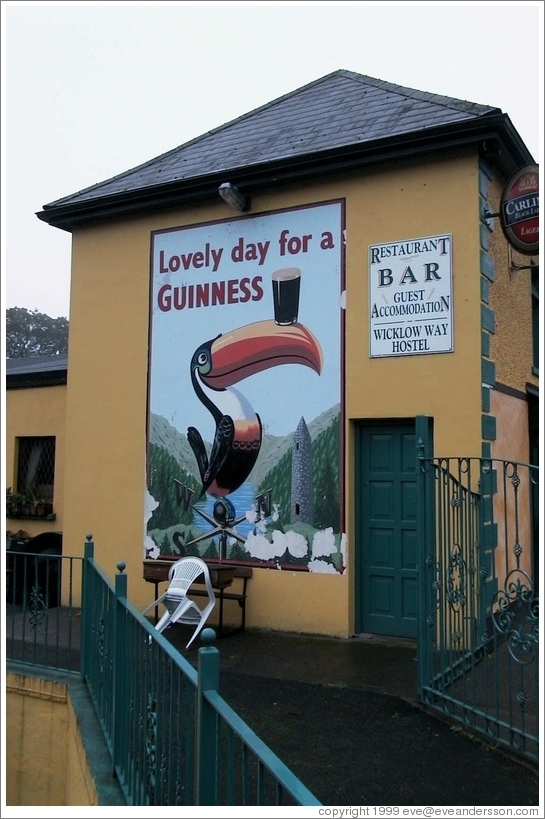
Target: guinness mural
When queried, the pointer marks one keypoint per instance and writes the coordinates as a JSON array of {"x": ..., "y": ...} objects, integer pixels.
[{"x": 243, "y": 443}]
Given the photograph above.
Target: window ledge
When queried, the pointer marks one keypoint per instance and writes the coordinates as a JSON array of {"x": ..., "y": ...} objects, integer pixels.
[{"x": 51, "y": 516}]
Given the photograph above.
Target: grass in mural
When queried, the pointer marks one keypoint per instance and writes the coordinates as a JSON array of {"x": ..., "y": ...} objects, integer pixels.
[
  {"x": 326, "y": 478},
  {"x": 164, "y": 468},
  {"x": 279, "y": 480}
]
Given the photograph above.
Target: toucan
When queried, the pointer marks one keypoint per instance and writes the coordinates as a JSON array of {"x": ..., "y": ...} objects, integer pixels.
[{"x": 223, "y": 361}]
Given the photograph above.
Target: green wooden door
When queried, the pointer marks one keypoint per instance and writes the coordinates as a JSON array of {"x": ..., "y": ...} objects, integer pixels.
[{"x": 386, "y": 593}]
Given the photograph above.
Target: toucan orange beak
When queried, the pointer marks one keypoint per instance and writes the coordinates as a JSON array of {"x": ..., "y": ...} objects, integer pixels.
[{"x": 260, "y": 346}]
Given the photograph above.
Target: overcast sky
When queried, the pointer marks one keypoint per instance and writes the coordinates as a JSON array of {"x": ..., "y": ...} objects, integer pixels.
[{"x": 93, "y": 89}]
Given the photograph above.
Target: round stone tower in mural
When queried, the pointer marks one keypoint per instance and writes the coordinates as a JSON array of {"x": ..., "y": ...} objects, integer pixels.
[{"x": 301, "y": 475}]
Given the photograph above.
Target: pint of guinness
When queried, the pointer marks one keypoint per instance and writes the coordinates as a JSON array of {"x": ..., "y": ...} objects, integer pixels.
[{"x": 286, "y": 285}]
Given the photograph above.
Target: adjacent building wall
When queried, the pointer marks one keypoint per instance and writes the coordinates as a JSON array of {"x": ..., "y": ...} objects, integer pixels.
[
  {"x": 37, "y": 412},
  {"x": 55, "y": 752},
  {"x": 45, "y": 760}
]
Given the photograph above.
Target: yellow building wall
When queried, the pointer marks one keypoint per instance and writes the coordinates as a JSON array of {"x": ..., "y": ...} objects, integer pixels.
[
  {"x": 106, "y": 401},
  {"x": 438, "y": 198},
  {"x": 511, "y": 350},
  {"x": 45, "y": 760},
  {"x": 512, "y": 422},
  {"x": 36, "y": 412}
]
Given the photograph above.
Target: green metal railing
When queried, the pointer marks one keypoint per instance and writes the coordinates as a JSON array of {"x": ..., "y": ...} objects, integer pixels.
[
  {"x": 38, "y": 629},
  {"x": 173, "y": 739},
  {"x": 478, "y": 647}
]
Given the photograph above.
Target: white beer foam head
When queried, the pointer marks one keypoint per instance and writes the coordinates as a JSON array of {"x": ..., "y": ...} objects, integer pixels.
[{"x": 286, "y": 273}]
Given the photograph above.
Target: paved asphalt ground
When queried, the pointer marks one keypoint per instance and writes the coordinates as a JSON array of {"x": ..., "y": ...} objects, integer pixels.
[{"x": 343, "y": 716}]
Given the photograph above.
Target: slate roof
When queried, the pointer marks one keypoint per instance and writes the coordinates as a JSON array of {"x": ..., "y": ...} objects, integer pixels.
[
  {"x": 328, "y": 124},
  {"x": 36, "y": 371}
]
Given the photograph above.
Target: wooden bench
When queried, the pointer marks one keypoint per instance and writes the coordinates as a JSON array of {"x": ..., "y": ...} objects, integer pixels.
[{"x": 222, "y": 577}]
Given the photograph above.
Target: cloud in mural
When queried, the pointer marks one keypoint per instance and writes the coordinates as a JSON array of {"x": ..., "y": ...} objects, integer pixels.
[
  {"x": 259, "y": 546},
  {"x": 343, "y": 547},
  {"x": 343, "y": 551},
  {"x": 321, "y": 567},
  {"x": 150, "y": 547},
  {"x": 251, "y": 515},
  {"x": 152, "y": 550},
  {"x": 296, "y": 544},
  {"x": 259, "y": 523},
  {"x": 150, "y": 505},
  {"x": 323, "y": 544}
]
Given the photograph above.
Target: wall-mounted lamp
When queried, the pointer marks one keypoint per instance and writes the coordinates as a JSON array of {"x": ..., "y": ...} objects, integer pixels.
[{"x": 234, "y": 198}]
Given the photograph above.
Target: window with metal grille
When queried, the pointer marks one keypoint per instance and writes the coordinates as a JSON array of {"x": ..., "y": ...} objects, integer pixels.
[{"x": 36, "y": 468}]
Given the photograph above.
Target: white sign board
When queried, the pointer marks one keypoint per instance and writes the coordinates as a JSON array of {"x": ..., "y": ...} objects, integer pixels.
[{"x": 410, "y": 297}]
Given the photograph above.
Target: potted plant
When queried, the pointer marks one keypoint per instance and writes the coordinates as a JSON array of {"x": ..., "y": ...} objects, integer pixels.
[{"x": 14, "y": 503}]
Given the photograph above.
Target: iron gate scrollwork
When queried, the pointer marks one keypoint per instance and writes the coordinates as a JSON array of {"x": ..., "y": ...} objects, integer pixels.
[{"x": 478, "y": 649}]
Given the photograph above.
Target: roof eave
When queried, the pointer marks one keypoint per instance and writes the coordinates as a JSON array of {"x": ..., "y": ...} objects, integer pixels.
[
  {"x": 494, "y": 133},
  {"x": 20, "y": 381}
]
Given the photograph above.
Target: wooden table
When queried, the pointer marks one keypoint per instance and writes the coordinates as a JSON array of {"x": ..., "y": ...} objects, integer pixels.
[
  {"x": 156, "y": 571},
  {"x": 221, "y": 576}
]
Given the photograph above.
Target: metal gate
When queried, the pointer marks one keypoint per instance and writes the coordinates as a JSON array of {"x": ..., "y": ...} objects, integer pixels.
[{"x": 478, "y": 652}]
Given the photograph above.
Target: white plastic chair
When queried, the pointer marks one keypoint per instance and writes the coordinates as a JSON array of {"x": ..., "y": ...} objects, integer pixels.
[{"x": 179, "y": 608}]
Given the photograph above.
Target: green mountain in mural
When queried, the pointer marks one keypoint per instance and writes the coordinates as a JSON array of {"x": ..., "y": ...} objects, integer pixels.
[
  {"x": 273, "y": 448},
  {"x": 167, "y": 437}
]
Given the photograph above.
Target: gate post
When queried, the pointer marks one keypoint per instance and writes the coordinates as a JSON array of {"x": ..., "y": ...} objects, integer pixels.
[
  {"x": 206, "y": 733},
  {"x": 425, "y": 527},
  {"x": 86, "y": 603},
  {"x": 120, "y": 663}
]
